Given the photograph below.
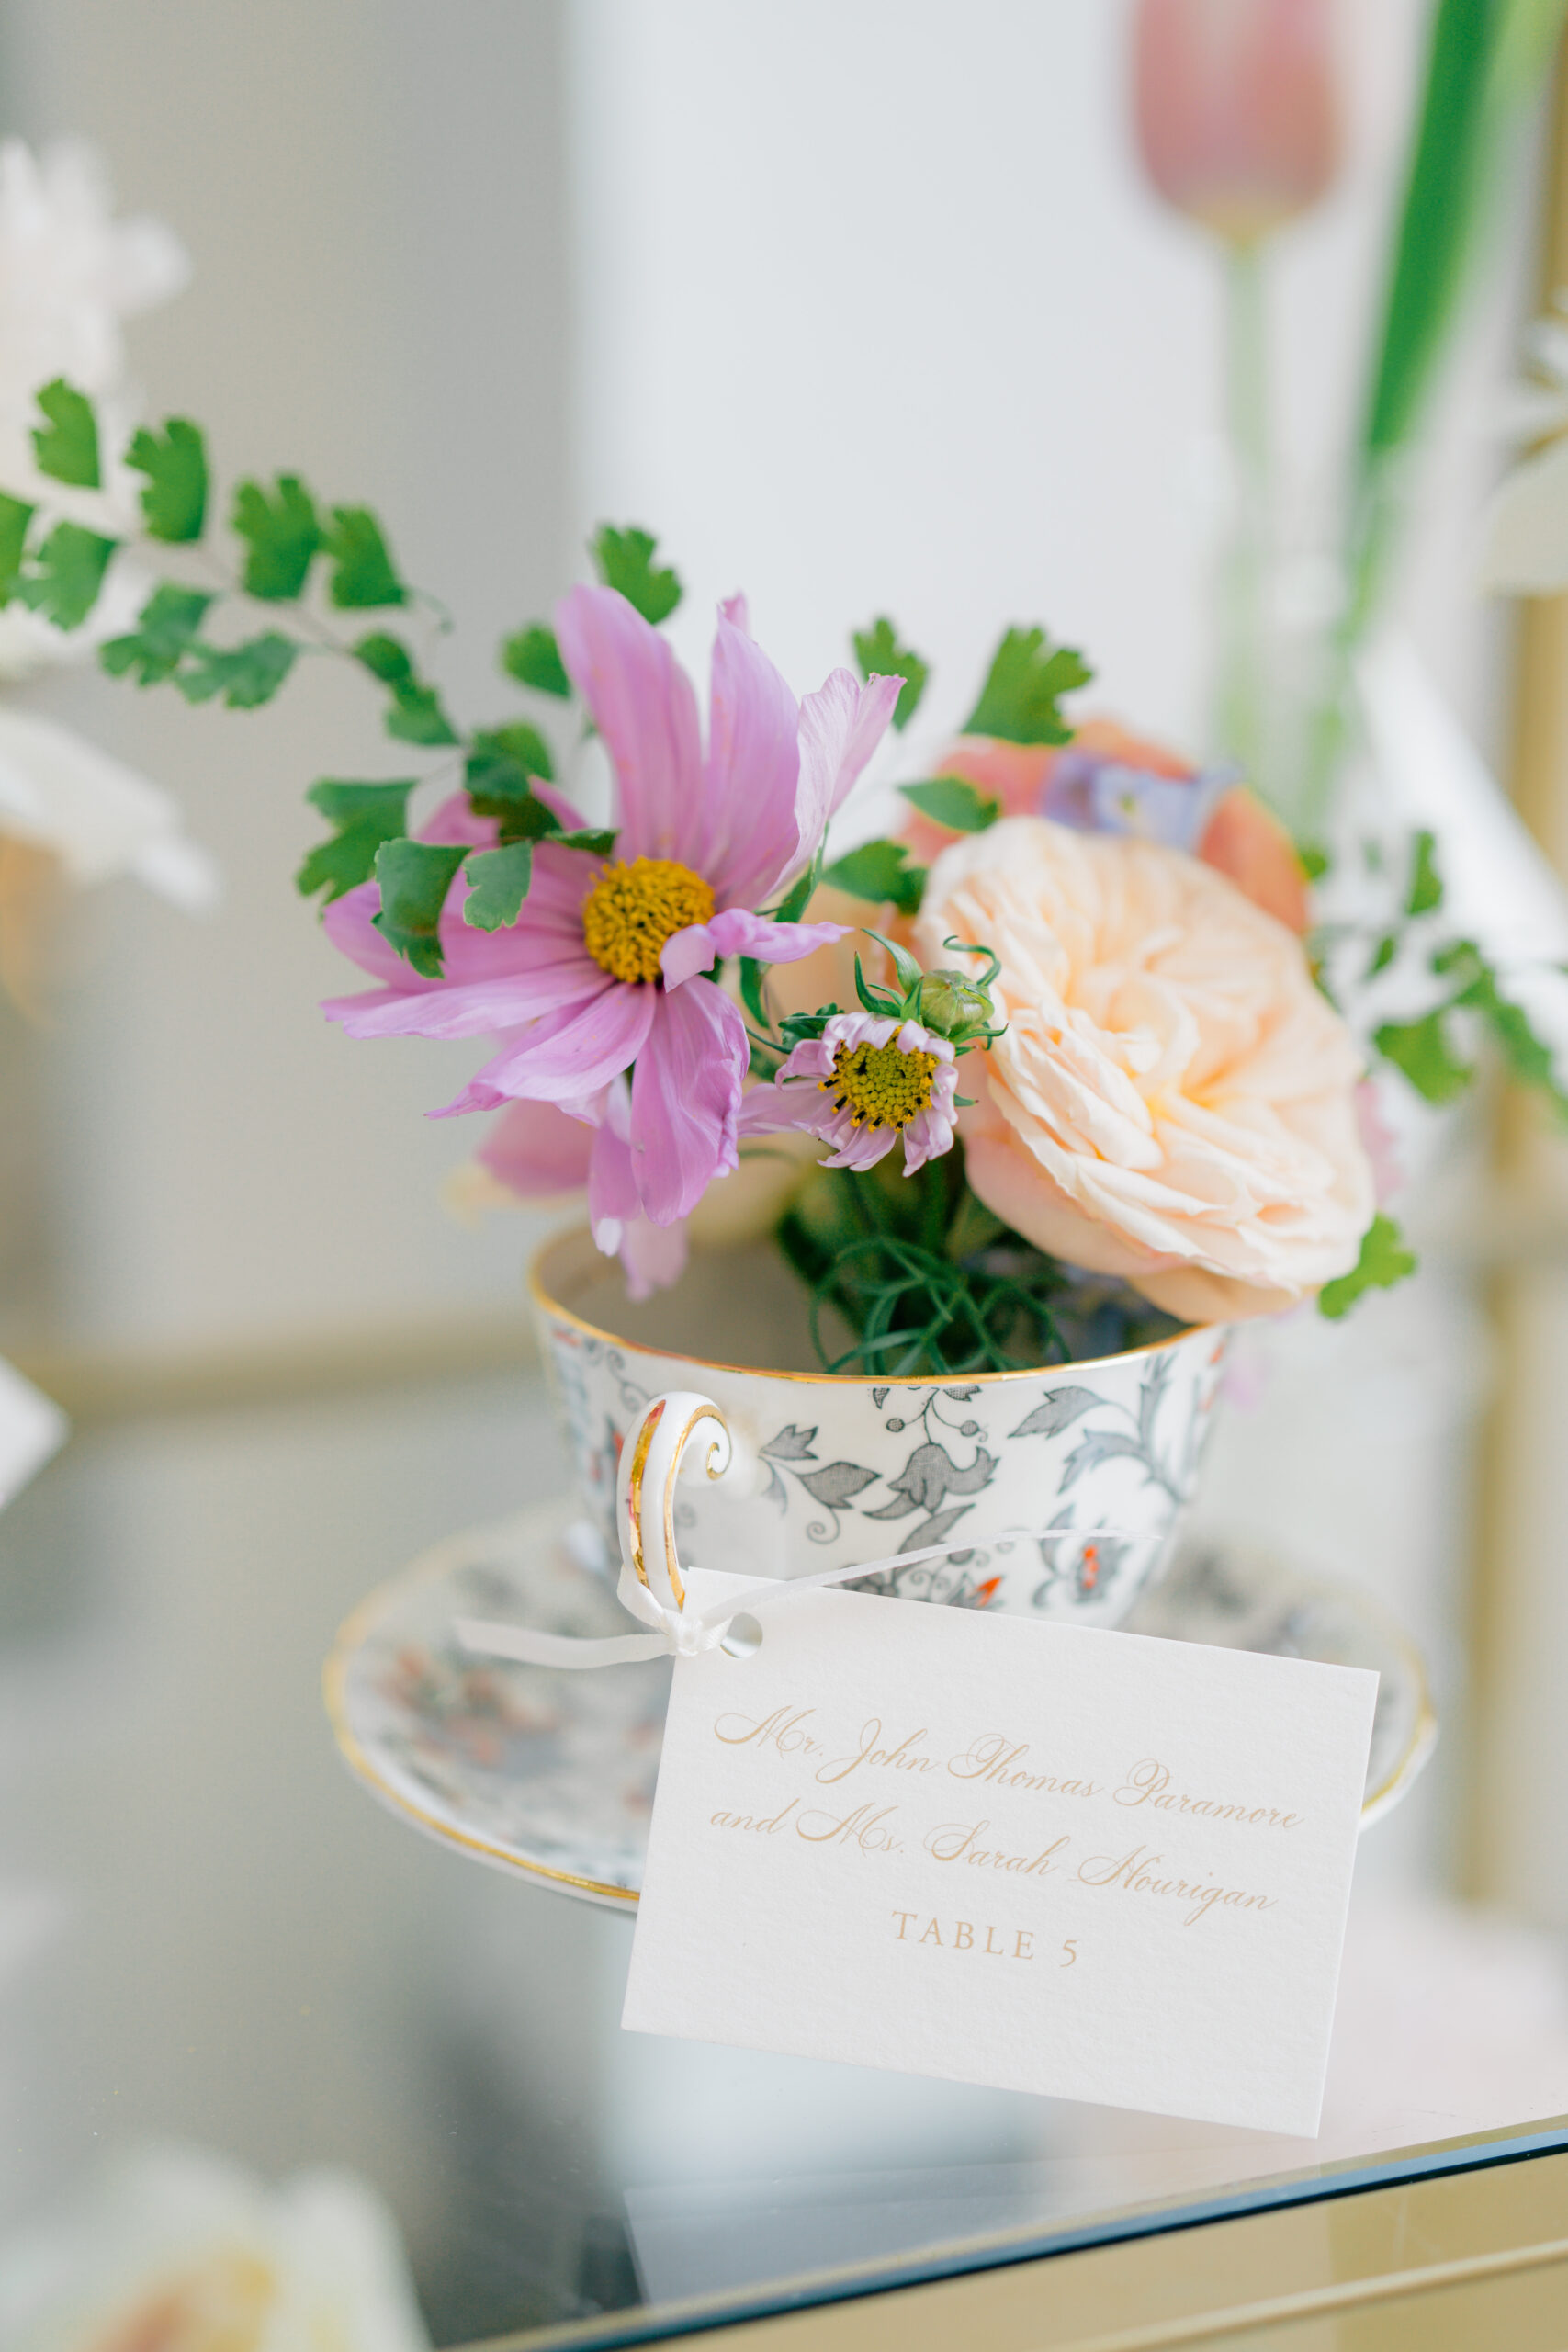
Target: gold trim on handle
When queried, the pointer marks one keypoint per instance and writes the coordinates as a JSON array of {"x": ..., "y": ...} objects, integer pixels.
[
  {"x": 634, "y": 1490},
  {"x": 706, "y": 1412}
]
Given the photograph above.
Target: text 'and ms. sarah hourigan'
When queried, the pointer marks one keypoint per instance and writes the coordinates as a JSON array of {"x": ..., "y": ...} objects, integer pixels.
[{"x": 990, "y": 1764}]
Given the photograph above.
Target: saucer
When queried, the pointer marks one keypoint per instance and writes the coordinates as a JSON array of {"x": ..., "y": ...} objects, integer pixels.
[{"x": 550, "y": 1771}]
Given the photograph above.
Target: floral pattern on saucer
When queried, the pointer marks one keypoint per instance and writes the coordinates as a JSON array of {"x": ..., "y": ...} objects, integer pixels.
[{"x": 550, "y": 1772}]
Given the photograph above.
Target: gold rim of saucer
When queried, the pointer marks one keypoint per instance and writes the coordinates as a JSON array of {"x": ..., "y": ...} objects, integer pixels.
[
  {"x": 550, "y": 1517},
  {"x": 577, "y": 1236}
]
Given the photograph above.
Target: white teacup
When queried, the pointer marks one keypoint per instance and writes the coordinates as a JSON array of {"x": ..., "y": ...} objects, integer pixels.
[{"x": 836, "y": 1468}]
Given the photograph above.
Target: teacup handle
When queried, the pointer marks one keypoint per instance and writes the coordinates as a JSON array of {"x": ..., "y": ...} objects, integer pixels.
[{"x": 645, "y": 1486}]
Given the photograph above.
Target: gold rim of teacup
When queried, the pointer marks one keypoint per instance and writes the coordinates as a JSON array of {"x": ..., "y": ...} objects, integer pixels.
[{"x": 576, "y": 1236}]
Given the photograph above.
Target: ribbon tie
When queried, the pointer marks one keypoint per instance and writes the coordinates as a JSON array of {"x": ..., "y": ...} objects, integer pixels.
[{"x": 650, "y": 1585}]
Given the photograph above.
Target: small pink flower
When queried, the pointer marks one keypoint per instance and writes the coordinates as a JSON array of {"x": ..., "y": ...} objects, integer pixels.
[
  {"x": 860, "y": 1086},
  {"x": 1378, "y": 1142},
  {"x": 603, "y": 974},
  {"x": 1237, "y": 111}
]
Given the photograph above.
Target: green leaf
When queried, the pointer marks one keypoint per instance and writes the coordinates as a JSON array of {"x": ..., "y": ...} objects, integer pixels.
[
  {"x": 520, "y": 817},
  {"x": 533, "y": 658},
  {"x": 949, "y": 800},
  {"x": 365, "y": 815},
  {"x": 1316, "y": 861},
  {"x": 67, "y": 446},
  {"x": 175, "y": 501},
  {"x": 1027, "y": 679},
  {"x": 414, "y": 714},
  {"x": 1528, "y": 1057},
  {"x": 1384, "y": 1260},
  {"x": 522, "y": 742},
  {"x": 385, "y": 804},
  {"x": 501, "y": 769},
  {"x": 245, "y": 675},
  {"x": 905, "y": 969},
  {"x": 1382, "y": 954},
  {"x": 341, "y": 864},
  {"x": 624, "y": 559},
  {"x": 1443, "y": 193},
  {"x": 1420, "y": 1050},
  {"x": 281, "y": 533},
  {"x": 362, "y": 572},
  {"x": 166, "y": 627},
  {"x": 1426, "y": 890},
  {"x": 598, "y": 842},
  {"x": 66, "y": 574},
  {"x": 499, "y": 880},
  {"x": 499, "y": 778},
  {"x": 880, "y": 655},
  {"x": 15, "y": 517},
  {"x": 414, "y": 878},
  {"x": 881, "y": 872},
  {"x": 385, "y": 659}
]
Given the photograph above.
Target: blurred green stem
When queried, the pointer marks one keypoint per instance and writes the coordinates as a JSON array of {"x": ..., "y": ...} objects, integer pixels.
[
  {"x": 1485, "y": 61},
  {"x": 1243, "y": 681}
]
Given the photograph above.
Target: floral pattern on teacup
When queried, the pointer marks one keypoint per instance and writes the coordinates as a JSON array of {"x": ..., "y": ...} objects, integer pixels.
[{"x": 1071, "y": 1481}]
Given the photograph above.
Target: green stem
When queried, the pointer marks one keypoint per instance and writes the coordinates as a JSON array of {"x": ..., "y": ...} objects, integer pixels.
[
  {"x": 1369, "y": 545},
  {"x": 1241, "y": 687}
]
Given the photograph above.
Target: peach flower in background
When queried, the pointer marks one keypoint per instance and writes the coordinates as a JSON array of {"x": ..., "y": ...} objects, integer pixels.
[
  {"x": 1237, "y": 109},
  {"x": 1173, "y": 1100},
  {"x": 1110, "y": 780}
]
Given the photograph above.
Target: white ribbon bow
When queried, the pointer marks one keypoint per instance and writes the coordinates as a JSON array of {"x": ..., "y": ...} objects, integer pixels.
[{"x": 650, "y": 1585}]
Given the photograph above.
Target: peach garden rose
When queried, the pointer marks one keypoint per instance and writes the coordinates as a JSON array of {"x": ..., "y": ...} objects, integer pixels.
[{"x": 1172, "y": 1100}]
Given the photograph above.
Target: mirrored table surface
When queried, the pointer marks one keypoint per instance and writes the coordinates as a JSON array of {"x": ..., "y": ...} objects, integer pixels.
[{"x": 227, "y": 1973}]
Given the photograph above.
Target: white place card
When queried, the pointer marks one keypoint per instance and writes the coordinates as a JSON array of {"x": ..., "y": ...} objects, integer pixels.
[{"x": 1009, "y": 1852}]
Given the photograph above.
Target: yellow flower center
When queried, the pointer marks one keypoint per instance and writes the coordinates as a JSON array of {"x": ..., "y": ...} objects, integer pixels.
[
  {"x": 633, "y": 909},
  {"x": 880, "y": 1086}
]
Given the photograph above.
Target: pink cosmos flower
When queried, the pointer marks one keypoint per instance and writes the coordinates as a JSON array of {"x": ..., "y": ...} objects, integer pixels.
[
  {"x": 862, "y": 1085},
  {"x": 602, "y": 975},
  {"x": 541, "y": 1152}
]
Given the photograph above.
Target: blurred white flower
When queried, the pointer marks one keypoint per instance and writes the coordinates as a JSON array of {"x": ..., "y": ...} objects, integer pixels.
[
  {"x": 178, "y": 2251},
  {"x": 1525, "y": 533},
  {"x": 70, "y": 275},
  {"x": 58, "y": 792},
  {"x": 32, "y": 1427}
]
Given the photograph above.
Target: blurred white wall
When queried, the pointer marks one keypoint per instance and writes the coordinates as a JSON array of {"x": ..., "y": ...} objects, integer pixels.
[
  {"x": 877, "y": 312},
  {"x": 371, "y": 192}
]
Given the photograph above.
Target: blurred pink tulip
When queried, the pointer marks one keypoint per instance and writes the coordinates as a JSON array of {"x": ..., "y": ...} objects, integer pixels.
[{"x": 1237, "y": 111}]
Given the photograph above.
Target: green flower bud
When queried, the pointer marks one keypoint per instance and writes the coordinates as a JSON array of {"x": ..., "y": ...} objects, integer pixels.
[{"x": 956, "y": 1007}]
